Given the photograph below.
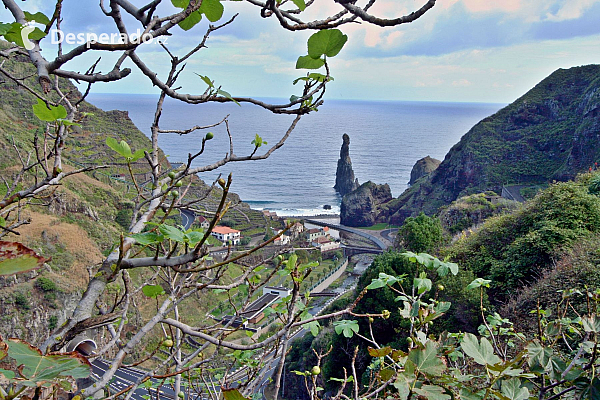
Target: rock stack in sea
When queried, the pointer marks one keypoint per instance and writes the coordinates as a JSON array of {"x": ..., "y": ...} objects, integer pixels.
[
  {"x": 344, "y": 177},
  {"x": 423, "y": 167},
  {"x": 363, "y": 205}
]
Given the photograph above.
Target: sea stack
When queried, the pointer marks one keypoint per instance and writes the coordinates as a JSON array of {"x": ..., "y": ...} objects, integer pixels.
[
  {"x": 423, "y": 167},
  {"x": 364, "y": 205},
  {"x": 344, "y": 177}
]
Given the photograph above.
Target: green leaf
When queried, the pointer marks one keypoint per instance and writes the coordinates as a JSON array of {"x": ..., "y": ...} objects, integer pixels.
[
  {"x": 122, "y": 148},
  {"x": 15, "y": 34},
  {"x": 193, "y": 237},
  {"x": 213, "y": 9},
  {"x": 591, "y": 391},
  {"x": 147, "y": 238},
  {"x": 313, "y": 327},
  {"x": 482, "y": 354},
  {"x": 511, "y": 388},
  {"x": 192, "y": 20},
  {"x": 38, "y": 17},
  {"x": 403, "y": 384},
  {"x": 307, "y": 62},
  {"x": 258, "y": 142},
  {"x": 207, "y": 80},
  {"x": 233, "y": 394},
  {"x": 10, "y": 375},
  {"x": 320, "y": 77},
  {"x": 153, "y": 290},
  {"x": 442, "y": 307},
  {"x": 431, "y": 392},
  {"x": 4, "y": 28},
  {"x": 349, "y": 379},
  {"x": 170, "y": 232},
  {"x": 300, "y": 4},
  {"x": 226, "y": 94},
  {"x": 591, "y": 324},
  {"x": 49, "y": 113},
  {"x": 137, "y": 155},
  {"x": 327, "y": 42},
  {"x": 180, "y": 3},
  {"x": 479, "y": 282},
  {"x": 16, "y": 258},
  {"x": 422, "y": 283},
  {"x": 347, "y": 327},
  {"x": 39, "y": 369},
  {"x": 426, "y": 360},
  {"x": 384, "y": 280}
]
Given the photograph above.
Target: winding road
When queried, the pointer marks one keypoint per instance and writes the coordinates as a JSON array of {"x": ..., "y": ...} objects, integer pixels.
[{"x": 187, "y": 218}]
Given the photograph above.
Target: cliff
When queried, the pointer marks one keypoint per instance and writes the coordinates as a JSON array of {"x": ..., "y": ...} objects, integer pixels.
[
  {"x": 423, "y": 167},
  {"x": 344, "y": 176},
  {"x": 362, "y": 206},
  {"x": 550, "y": 133}
]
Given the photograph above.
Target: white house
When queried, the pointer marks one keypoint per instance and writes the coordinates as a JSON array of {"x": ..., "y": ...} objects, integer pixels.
[
  {"x": 204, "y": 223},
  {"x": 325, "y": 244},
  {"x": 281, "y": 240},
  {"x": 315, "y": 233},
  {"x": 226, "y": 235}
]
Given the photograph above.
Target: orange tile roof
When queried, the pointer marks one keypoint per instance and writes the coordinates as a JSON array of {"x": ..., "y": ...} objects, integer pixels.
[{"x": 224, "y": 230}]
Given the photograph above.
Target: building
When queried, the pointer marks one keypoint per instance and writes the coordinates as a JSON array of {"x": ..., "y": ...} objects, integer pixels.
[
  {"x": 226, "y": 235},
  {"x": 270, "y": 214},
  {"x": 280, "y": 291},
  {"x": 281, "y": 240},
  {"x": 325, "y": 244},
  {"x": 315, "y": 233},
  {"x": 296, "y": 230},
  {"x": 204, "y": 223}
]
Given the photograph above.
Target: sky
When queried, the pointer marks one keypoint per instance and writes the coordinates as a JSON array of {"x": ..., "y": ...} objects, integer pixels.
[{"x": 462, "y": 50}]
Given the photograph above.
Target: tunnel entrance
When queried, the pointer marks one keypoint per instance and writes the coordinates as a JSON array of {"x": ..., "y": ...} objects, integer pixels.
[{"x": 83, "y": 345}]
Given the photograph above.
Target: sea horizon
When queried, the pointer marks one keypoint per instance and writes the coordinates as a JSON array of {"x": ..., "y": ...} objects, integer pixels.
[{"x": 386, "y": 138}]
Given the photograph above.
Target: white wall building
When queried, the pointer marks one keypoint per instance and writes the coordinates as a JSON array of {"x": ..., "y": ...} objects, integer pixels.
[{"x": 226, "y": 235}]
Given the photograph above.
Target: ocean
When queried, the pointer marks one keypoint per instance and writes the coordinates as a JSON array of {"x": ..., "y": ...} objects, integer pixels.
[{"x": 386, "y": 139}]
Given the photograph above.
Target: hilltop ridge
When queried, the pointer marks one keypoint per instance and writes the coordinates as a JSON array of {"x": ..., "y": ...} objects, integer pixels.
[{"x": 550, "y": 133}]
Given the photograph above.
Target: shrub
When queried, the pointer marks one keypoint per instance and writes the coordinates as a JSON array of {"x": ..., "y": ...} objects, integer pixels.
[
  {"x": 514, "y": 249},
  {"x": 52, "y": 322},
  {"x": 420, "y": 234},
  {"x": 45, "y": 284},
  {"x": 22, "y": 301},
  {"x": 123, "y": 217}
]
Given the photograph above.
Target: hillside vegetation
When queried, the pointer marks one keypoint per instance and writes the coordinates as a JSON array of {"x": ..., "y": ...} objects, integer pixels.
[
  {"x": 80, "y": 221},
  {"x": 550, "y": 133}
]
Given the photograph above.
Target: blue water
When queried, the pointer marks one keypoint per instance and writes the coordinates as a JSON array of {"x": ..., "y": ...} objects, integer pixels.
[{"x": 386, "y": 139}]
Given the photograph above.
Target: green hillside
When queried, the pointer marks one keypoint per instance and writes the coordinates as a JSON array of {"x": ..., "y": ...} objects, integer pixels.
[{"x": 550, "y": 133}]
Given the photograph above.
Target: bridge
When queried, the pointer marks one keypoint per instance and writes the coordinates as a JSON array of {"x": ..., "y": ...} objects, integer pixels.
[
  {"x": 378, "y": 242},
  {"x": 353, "y": 250}
]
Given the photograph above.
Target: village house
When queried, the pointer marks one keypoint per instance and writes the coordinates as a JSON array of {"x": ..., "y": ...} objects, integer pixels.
[
  {"x": 226, "y": 235},
  {"x": 295, "y": 230},
  {"x": 315, "y": 233},
  {"x": 204, "y": 223},
  {"x": 325, "y": 244},
  {"x": 270, "y": 214},
  {"x": 282, "y": 240}
]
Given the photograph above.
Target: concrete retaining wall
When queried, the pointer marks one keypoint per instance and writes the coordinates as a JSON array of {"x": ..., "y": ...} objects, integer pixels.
[{"x": 324, "y": 284}]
